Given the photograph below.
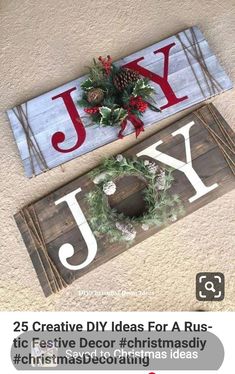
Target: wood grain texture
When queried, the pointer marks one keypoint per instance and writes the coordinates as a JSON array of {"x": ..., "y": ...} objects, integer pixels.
[
  {"x": 57, "y": 223},
  {"x": 47, "y": 116}
]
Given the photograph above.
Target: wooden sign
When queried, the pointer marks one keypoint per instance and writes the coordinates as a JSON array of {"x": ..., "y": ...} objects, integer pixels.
[
  {"x": 52, "y": 129},
  {"x": 58, "y": 229}
]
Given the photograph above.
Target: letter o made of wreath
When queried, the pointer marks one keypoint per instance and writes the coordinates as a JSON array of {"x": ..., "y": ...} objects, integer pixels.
[{"x": 161, "y": 206}]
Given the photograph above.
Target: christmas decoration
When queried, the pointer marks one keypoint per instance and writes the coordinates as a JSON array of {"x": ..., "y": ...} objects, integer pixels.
[
  {"x": 127, "y": 230},
  {"x": 119, "y": 158},
  {"x": 145, "y": 227},
  {"x": 124, "y": 78},
  {"x": 161, "y": 206},
  {"x": 100, "y": 178},
  {"x": 109, "y": 188},
  {"x": 95, "y": 96},
  {"x": 112, "y": 96},
  {"x": 161, "y": 180}
]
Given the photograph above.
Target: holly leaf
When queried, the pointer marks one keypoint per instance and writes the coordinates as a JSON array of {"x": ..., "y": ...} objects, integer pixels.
[
  {"x": 142, "y": 88},
  {"x": 87, "y": 84},
  {"x": 105, "y": 116},
  {"x": 119, "y": 115}
]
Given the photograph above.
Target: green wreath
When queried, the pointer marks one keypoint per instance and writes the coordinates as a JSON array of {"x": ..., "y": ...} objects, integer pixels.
[
  {"x": 161, "y": 206},
  {"x": 113, "y": 95}
]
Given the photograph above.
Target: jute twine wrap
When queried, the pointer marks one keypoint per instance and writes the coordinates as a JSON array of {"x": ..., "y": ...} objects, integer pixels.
[
  {"x": 35, "y": 153},
  {"x": 54, "y": 279},
  {"x": 221, "y": 136},
  {"x": 194, "y": 50}
]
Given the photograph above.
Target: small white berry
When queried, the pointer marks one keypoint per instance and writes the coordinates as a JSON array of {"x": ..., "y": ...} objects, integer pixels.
[
  {"x": 145, "y": 227},
  {"x": 100, "y": 178},
  {"x": 119, "y": 158},
  {"x": 173, "y": 218}
]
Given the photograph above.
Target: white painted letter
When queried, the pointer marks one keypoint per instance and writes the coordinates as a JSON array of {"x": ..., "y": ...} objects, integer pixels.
[
  {"x": 186, "y": 168},
  {"x": 66, "y": 250}
]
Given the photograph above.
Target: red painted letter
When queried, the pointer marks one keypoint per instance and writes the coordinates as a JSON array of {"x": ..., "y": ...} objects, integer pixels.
[
  {"x": 172, "y": 99},
  {"x": 59, "y": 136}
]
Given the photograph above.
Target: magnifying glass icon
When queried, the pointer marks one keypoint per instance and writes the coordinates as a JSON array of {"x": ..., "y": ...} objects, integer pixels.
[{"x": 209, "y": 286}]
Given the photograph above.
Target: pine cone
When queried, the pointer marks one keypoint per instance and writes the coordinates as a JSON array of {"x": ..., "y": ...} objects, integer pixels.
[
  {"x": 124, "y": 78},
  {"x": 127, "y": 230},
  {"x": 152, "y": 167},
  {"x": 161, "y": 180},
  {"x": 109, "y": 188},
  {"x": 95, "y": 96}
]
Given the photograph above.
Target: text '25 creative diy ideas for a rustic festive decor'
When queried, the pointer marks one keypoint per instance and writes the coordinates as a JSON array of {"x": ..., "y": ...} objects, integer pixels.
[
  {"x": 53, "y": 128},
  {"x": 129, "y": 198}
]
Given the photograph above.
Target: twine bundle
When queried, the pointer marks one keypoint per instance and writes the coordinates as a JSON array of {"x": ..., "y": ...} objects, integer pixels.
[
  {"x": 194, "y": 50},
  {"x": 224, "y": 140},
  {"x": 35, "y": 153},
  {"x": 54, "y": 279}
]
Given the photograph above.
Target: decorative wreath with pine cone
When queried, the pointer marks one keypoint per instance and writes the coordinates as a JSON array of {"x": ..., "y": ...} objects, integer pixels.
[
  {"x": 114, "y": 95},
  {"x": 161, "y": 206}
]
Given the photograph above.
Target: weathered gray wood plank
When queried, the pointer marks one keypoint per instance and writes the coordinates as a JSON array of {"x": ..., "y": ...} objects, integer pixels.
[{"x": 58, "y": 225}]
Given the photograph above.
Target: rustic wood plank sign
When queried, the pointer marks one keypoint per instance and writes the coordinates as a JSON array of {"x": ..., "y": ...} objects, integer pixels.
[
  {"x": 52, "y": 129},
  {"x": 58, "y": 230}
]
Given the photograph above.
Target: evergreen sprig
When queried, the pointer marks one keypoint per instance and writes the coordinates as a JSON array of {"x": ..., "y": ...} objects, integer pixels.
[{"x": 114, "y": 99}]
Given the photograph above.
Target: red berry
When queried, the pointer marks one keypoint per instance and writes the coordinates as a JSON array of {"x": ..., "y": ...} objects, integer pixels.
[
  {"x": 93, "y": 110},
  {"x": 138, "y": 103},
  {"x": 106, "y": 62}
]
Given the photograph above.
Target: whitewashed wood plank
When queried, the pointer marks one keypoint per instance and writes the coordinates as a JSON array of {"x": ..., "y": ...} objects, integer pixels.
[
  {"x": 177, "y": 62},
  {"x": 148, "y": 117},
  {"x": 41, "y": 117},
  {"x": 47, "y": 116},
  {"x": 94, "y": 133}
]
